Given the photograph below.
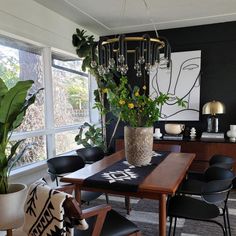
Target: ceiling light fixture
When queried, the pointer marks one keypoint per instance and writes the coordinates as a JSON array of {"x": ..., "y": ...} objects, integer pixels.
[{"x": 113, "y": 53}]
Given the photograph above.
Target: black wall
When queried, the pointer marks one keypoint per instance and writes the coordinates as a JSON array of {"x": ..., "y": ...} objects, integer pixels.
[{"x": 217, "y": 43}]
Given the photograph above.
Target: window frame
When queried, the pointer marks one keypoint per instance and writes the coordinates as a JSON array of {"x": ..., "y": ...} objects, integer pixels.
[{"x": 49, "y": 131}]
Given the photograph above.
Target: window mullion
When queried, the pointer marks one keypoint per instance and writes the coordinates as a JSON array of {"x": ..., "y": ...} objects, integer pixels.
[{"x": 49, "y": 114}]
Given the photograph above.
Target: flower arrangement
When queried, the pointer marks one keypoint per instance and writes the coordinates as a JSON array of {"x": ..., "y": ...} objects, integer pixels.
[{"x": 133, "y": 106}]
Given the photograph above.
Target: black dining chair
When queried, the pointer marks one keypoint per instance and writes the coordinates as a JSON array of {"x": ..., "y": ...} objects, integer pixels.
[
  {"x": 90, "y": 154},
  {"x": 101, "y": 220},
  {"x": 222, "y": 161},
  {"x": 61, "y": 165},
  {"x": 219, "y": 160},
  {"x": 213, "y": 173},
  {"x": 206, "y": 209}
]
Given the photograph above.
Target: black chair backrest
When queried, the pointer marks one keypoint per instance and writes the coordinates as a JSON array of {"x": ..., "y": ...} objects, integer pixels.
[
  {"x": 64, "y": 164},
  {"x": 222, "y": 161},
  {"x": 218, "y": 173},
  {"x": 91, "y": 154},
  {"x": 216, "y": 191}
]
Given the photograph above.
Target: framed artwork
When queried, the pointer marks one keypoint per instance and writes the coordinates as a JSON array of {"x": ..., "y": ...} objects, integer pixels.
[{"x": 181, "y": 80}]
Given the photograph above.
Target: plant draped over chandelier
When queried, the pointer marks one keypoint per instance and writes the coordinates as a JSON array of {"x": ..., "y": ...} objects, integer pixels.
[{"x": 113, "y": 54}]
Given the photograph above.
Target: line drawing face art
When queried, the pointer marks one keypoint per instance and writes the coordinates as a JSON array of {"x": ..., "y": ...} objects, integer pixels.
[{"x": 182, "y": 80}]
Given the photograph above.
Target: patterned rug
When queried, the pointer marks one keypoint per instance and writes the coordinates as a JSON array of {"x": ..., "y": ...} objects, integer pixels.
[{"x": 144, "y": 214}]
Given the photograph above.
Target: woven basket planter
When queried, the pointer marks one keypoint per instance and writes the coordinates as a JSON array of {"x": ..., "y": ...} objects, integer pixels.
[{"x": 138, "y": 145}]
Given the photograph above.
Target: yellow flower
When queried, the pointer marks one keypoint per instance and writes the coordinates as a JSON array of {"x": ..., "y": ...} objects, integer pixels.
[
  {"x": 136, "y": 94},
  {"x": 130, "y": 105},
  {"x": 105, "y": 90},
  {"x": 144, "y": 87},
  {"x": 121, "y": 102}
]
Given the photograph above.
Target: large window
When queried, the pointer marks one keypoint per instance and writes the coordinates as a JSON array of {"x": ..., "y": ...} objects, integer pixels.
[
  {"x": 65, "y": 98},
  {"x": 70, "y": 100}
]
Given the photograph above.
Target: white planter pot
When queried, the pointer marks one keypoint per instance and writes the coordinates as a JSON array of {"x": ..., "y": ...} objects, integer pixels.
[
  {"x": 12, "y": 207},
  {"x": 138, "y": 145}
]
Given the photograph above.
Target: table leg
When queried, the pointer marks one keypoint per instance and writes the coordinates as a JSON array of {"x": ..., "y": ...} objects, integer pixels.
[
  {"x": 78, "y": 194},
  {"x": 162, "y": 215},
  {"x": 9, "y": 232}
]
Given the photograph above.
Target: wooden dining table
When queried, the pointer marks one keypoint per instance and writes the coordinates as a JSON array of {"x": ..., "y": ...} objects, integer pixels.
[{"x": 164, "y": 180}]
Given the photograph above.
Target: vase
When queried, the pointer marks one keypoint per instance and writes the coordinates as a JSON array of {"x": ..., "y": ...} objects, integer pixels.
[
  {"x": 232, "y": 133},
  {"x": 138, "y": 145},
  {"x": 12, "y": 207}
]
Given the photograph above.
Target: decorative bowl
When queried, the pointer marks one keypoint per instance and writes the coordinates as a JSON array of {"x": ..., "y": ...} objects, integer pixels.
[{"x": 174, "y": 129}]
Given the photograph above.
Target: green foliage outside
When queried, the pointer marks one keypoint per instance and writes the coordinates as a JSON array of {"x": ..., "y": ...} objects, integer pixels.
[{"x": 78, "y": 94}]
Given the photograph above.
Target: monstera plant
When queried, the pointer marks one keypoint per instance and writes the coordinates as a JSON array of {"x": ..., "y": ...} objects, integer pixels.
[{"x": 13, "y": 105}]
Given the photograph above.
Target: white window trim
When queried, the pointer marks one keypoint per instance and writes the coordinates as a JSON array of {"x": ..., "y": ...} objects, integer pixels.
[{"x": 50, "y": 130}]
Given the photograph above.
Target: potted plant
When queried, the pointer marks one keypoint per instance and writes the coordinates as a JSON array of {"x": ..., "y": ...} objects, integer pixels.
[
  {"x": 90, "y": 136},
  {"x": 84, "y": 45},
  {"x": 139, "y": 112},
  {"x": 13, "y": 105}
]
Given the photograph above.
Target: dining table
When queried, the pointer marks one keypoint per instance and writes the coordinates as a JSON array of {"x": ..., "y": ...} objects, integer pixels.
[{"x": 161, "y": 182}]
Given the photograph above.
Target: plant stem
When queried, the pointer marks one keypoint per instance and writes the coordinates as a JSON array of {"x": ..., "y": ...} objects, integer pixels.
[
  {"x": 3, "y": 181},
  {"x": 114, "y": 131}
]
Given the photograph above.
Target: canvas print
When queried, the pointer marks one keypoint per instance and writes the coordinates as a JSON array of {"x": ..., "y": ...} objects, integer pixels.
[{"x": 182, "y": 80}]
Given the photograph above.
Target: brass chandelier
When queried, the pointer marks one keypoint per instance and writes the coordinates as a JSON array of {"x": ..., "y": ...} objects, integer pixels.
[{"x": 113, "y": 54}]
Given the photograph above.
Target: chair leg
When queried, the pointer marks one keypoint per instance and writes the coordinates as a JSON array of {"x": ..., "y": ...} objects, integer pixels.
[
  {"x": 57, "y": 181},
  {"x": 228, "y": 222},
  {"x": 225, "y": 222},
  {"x": 127, "y": 205},
  {"x": 175, "y": 226},
  {"x": 107, "y": 198},
  {"x": 170, "y": 218}
]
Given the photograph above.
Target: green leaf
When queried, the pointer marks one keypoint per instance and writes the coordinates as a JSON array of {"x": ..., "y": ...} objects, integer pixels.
[
  {"x": 18, "y": 156},
  {"x": 14, "y": 148},
  {"x": 13, "y": 101},
  {"x": 3, "y": 89}
]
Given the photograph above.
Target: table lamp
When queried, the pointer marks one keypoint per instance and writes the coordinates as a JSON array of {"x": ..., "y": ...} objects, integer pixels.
[{"x": 213, "y": 108}]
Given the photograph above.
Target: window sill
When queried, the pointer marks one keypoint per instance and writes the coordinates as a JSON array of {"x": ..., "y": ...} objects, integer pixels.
[{"x": 29, "y": 169}]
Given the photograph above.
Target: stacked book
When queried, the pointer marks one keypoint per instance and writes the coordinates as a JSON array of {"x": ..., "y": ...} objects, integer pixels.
[
  {"x": 173, "y": 136},
  {"x": 212, "y": 136}
]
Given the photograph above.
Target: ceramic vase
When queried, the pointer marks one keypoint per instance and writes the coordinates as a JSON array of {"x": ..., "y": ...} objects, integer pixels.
[
  {"x": 232, "y": 133},
  {"x": 138, "y": 145},
  {"x": 157, "y": 133},
  {"x": 12, "y": 207}
]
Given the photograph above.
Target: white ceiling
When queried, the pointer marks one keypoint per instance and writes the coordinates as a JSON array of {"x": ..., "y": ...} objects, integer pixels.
[{"x": 105, "y": 17}]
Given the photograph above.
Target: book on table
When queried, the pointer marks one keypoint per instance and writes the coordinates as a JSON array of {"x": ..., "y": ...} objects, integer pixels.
[
  {"x": 212, "y": 136},
  {"x": 173, "y": 137}
]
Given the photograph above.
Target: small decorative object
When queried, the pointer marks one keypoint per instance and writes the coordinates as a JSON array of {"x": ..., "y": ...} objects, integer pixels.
[
  {"x": 174, "y": 129},
  {"x": 157, "y": 133},
  {"x": 213, "y": 108},
  {"x": 232, "y": 133},
  {"x": 193, "y": 133}
]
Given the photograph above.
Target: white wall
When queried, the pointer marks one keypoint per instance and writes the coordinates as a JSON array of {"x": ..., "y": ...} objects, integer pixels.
[{"x": 28, "y": 20}]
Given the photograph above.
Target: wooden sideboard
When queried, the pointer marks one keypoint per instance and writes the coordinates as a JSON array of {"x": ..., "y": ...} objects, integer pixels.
[{"x": 204, "y": 150}]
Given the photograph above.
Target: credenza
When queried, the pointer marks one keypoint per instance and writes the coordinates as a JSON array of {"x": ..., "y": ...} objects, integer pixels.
[{"x": 204, "y": 150}]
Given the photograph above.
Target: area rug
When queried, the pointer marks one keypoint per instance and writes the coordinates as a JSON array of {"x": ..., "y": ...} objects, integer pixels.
[{"x": 144, "y": 214}]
